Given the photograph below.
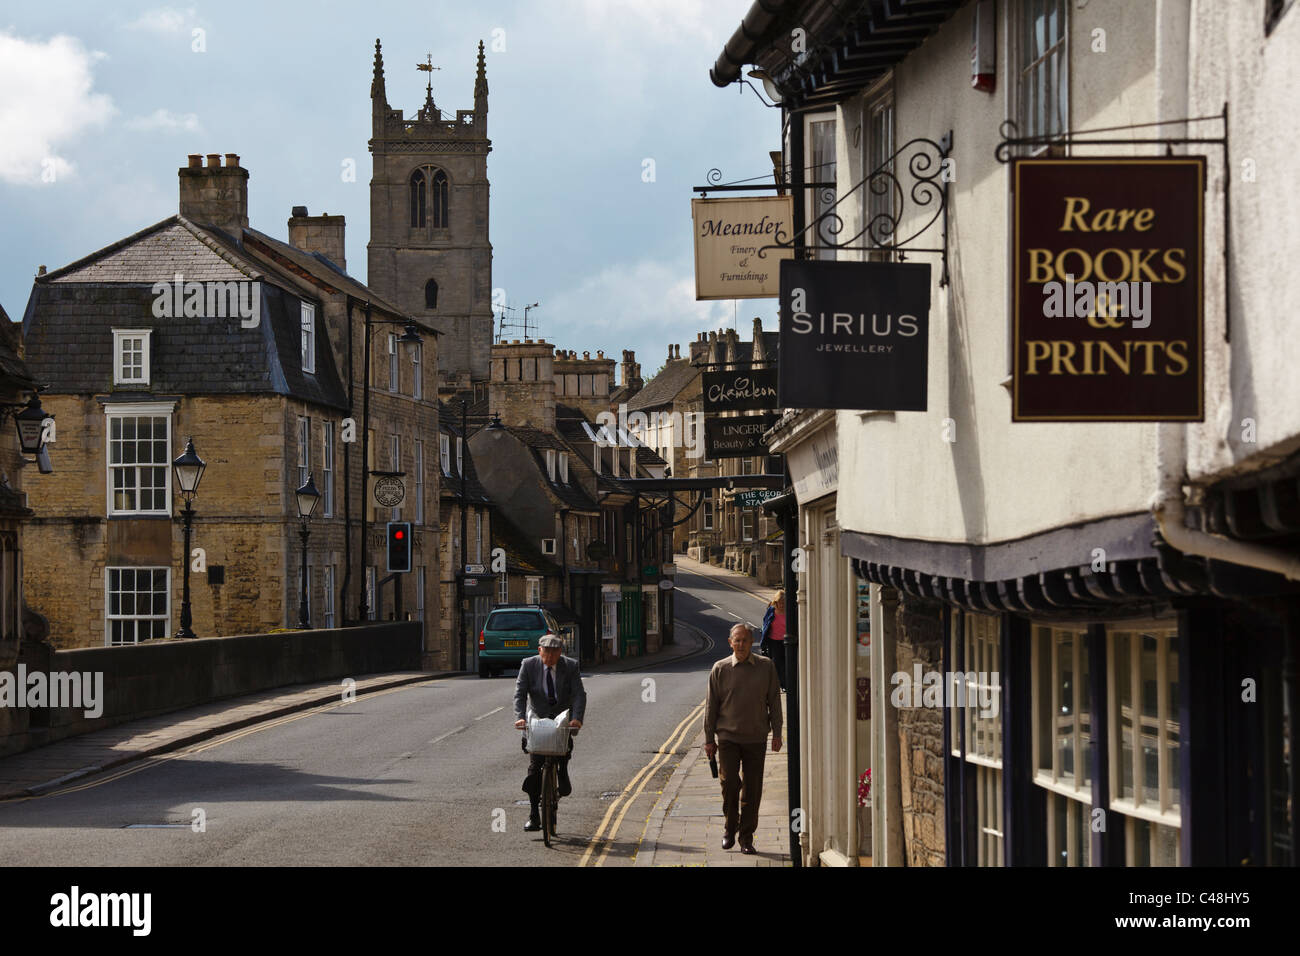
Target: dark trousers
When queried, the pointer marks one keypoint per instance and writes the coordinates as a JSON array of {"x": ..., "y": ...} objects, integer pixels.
[
  {"x": 533, "y": 782},
  {"x": 740, "y": 770},
  {"x": 776, "y": 651}
]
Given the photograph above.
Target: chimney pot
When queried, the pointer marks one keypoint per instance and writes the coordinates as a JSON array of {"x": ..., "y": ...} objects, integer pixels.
[
  {"x": 586, "y": 355},
  {"x": 600, "y": 353},
  {"x": 299, "y": 211},
  {"x": 214, "y": 160},
  {"x": 196, "y": 161},
  {"x": 40, "y": 270},
  {"x": 232, "y": 159}
]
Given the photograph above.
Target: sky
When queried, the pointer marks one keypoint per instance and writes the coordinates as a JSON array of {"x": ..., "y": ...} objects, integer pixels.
[{"x": 100, "y": 106}]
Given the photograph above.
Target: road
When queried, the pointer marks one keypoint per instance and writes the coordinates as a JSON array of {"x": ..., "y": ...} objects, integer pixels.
[{"x": 425, "y": 774}]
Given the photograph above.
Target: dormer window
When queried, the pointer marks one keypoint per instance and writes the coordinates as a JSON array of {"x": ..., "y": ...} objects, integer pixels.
[
  {"x": 131, "y": 356},
  {"x": 308, "y": 337},
  {"x": 564, "y": 468},
  {"x": 460, "y": 455},
  {"x": 595, "y": 458},
  {"x": 550, "y": 463},
  {"x": 444, "y": 454}
]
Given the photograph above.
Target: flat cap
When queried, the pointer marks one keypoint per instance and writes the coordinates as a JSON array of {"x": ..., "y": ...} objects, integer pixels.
[{"x": 549, "y": 640}]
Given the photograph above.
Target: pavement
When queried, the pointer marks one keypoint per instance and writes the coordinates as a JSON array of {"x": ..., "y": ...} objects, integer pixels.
[{"x": 731, "y": 579}]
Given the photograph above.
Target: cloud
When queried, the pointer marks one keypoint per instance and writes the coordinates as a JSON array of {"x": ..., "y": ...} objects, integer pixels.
[
  {"x": 48, "y": 101},
  {"x": 163, "y": 20},
  {"x": 165, "y": 119}
]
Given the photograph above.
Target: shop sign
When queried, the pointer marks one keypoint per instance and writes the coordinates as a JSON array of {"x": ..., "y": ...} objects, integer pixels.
[
  {"x": 747, "y": 390},
  {"x": 854, "y": 335},
  {"x": 737, "y": 437},
  {"x": 753, "y": 499},
  {"x": 1107, "y": 304},
  {"x": 728, "y": 235}
]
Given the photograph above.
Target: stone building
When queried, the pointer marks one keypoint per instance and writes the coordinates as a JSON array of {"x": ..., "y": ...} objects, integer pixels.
[
  {"x": 463, "y": 496},
  {"x": 429, "y": 251},
  {"x": 200, "y": 326},
  {"x": 1086, "y": 595}
]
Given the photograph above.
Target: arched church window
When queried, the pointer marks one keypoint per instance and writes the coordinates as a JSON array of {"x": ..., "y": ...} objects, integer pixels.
[
  {"x": 431, "y": 294},
  {"x": 429, "y": 187}
]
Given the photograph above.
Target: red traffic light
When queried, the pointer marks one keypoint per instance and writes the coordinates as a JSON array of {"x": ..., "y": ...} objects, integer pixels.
[{"x": 399, "y": 535}]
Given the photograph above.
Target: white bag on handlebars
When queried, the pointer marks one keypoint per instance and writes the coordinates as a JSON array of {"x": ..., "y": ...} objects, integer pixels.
[{"x": 549, "y": 737}]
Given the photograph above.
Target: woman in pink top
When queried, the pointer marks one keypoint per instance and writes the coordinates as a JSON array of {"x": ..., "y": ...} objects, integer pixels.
[{"x": 773, "y": 635}]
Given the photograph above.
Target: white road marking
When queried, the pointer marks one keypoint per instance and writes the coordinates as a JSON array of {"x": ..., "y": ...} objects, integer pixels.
[
  {"x": 491, "y": 712},
  {"x": 736, "y": 616},
  {"x": 446, "y": 735}
]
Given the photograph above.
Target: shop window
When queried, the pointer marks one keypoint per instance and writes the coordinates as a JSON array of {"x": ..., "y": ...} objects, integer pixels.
[
  {"x": 609, "y": 619},
  {"x": 1145, "y": 741},
  {"x": 975, "y": 652},
  {"x": 1062, "y": 740},
  {"x": 651, "y": 610}
]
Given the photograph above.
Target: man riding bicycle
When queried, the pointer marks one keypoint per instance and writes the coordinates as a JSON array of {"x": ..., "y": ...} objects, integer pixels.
[{"x": 551, "y": 684}]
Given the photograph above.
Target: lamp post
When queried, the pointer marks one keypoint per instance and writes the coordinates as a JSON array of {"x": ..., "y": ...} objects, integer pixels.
[
  {"x": 412, "y": 341},
  {"x": 308, "y": 497},
  {"x": 189, "y": 472},
  {"x": 31, "y": 426}
]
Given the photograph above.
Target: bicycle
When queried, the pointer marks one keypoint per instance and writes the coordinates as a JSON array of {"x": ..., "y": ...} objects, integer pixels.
[{"x": 549, "y": 801}]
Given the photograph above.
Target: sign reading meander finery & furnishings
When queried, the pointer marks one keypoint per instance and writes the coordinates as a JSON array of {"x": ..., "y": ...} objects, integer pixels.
[{"x": 728, "y": 236}]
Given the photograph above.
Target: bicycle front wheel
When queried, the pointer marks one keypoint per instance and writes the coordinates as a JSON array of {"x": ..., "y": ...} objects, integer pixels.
[{"x": 550, "y": 794}]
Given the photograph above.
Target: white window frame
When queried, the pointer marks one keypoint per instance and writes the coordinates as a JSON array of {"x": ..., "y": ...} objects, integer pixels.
[
  {"x": 550, "y": 464},
  {"x": 608, "y": 617},
  {"x": 444, "y": 454},
  {"x": 1166, "y": 809},
  {"x": 503, "y": 589},
  {"x": 707, "y": 514},
  {"x": 163, "y": 410},
  {"x": 327, "y": 592},
  {"x": 304, "y": 450},
  {"x": 110, "y": 617},
  {"x": 460, "y": 455},
  {"x": 394, "y": 370},
  {"x": 1024, "y": 71},
  {"x": 532, "y": 590},
  {"x": 614, "y": 458},
  {"x": 820, "y": 240},
  {"x": 308, "y": 326},
  {"x": 327, "y": 469},
  {"x": 564, "y": 467},
  {"x": 981, "y": 646},
  {"x": 120, "y": 338},
  {"x": 419, "y": 482},
  {"x": 595, "y": 457},
  {"x": 1068, "y": 794},
  {"x": 417, "y": 371}
]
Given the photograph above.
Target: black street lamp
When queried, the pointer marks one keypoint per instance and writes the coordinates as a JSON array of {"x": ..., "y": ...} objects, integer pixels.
[
  {"x": 189, "y": 472},
  {"x": 31, "y": 426},
  {"x": 308, "y": 497}
]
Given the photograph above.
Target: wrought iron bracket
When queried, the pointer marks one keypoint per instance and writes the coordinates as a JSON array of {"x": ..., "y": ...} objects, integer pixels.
[
  {"x": 1088, "y": 137},
  {"x": 908, "y": 191}
]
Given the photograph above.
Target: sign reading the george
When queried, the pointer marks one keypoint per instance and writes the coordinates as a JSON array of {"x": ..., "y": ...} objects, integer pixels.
[
  {"x": 854, "y": 335},
  {"x": 728, "y": 235},
  {"x": 739, "y": 437},
  {"x": 1108, "y": 290},
  {"x": 752, "y": 499},
  {"x": 747, "y": 390}
]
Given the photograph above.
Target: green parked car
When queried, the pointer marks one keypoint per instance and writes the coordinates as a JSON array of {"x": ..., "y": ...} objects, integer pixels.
[{"x": 510, "y": 635}]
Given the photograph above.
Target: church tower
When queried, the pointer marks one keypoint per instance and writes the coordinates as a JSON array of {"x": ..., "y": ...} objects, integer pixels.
[{"x": 429, "y": 251}]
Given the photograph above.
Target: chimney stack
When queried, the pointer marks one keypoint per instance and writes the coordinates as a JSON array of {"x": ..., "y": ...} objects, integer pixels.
[
  {"x": 323, "y": 234},
  {"x": 214, "y": 195},
  {"x": 522, "y": 388}
]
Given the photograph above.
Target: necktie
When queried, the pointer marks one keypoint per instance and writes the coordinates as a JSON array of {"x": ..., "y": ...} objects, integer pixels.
[{"x": 550, "y": 688}]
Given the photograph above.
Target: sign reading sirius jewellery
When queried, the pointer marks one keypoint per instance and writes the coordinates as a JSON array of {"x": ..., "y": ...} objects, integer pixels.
[
  {"x": 1108, "y": 289},
  {"x": 728, "y": 235},
  {"x": 751, "y": 389},
  {"x": 739, "y": 437},
  {"x": 854, "y": 335}
]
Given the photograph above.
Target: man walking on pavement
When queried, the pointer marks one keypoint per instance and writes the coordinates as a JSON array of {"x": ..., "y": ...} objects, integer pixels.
[{"x": 743, "y": 703}]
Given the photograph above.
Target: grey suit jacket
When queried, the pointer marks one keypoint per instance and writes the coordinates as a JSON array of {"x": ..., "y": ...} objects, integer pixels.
[{"x": 530, "y": 686}]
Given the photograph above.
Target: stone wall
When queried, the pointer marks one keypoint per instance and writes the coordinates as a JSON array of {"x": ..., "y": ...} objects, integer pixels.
[{"x": 920, "y": 736}]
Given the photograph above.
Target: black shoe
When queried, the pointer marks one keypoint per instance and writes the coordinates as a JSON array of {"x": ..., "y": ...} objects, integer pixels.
[
  {"x": 533, "y": 825},
  {"x": 566, "y": 788},
  {"x": 728, "y": 840},
  {"x": 747, "y": 847}
]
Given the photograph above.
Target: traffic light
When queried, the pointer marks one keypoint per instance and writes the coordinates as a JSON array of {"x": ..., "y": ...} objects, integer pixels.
[{"x": 399, "y": 546}]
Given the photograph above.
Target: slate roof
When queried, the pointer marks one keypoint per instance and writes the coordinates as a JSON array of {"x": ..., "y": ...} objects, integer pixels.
[
  {"x": 450, "y": 485},
  {"x": 72, "y": 311},
  {"x": 521, "y": 556},
  {"x": 13, "y": 370},
  {"x": 572, "y": 494},
  {"x": 664, "y": 387}
]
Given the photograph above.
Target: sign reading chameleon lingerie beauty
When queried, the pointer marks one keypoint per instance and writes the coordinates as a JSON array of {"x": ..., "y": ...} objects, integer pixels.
[
  {"x": 738, "y": 390},
  {"x": 1107, "y": 312},
  {"x": 728, "y": 236},
  {"x": 854, "y": 335}
]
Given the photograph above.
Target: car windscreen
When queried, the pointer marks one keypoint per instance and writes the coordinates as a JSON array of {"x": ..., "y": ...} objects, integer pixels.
[{"x": 515, "y": 621}]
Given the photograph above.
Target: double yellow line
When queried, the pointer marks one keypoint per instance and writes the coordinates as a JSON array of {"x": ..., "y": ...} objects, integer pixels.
[{"x": 625, "y": 800}]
